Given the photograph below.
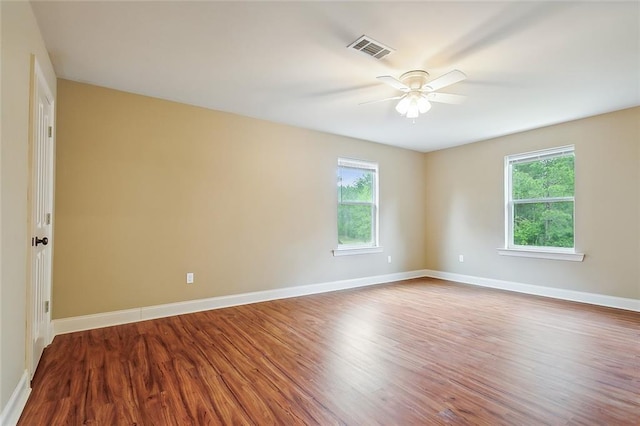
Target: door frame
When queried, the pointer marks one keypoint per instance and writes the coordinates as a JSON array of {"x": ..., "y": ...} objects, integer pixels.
[{"x": 37, "y": 76}]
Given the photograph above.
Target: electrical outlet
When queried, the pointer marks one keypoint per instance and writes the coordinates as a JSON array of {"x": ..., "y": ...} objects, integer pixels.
[
  {"x": 189, "y": 277},
  {"x": 461, "y": 258},
  {"x": 388, "y": 259}
]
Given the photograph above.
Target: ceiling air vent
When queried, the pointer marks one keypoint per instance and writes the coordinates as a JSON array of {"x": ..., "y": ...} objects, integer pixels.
[{"x": 366, "y": 44}]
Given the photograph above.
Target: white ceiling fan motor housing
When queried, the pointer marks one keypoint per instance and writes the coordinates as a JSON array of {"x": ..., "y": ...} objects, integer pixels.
[{"x": 415, "y": 79}]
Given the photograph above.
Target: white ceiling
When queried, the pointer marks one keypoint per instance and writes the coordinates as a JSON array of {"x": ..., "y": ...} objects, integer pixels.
[{"x": 529, "y": 64}]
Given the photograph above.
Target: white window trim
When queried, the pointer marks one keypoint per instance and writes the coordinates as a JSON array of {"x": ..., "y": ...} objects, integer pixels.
[
  {"x": 510, "y": 249},
  {"x": 345, "y": 251},
  {"x": 355, "y": 249},
  {"x": 542, "y": 253}
]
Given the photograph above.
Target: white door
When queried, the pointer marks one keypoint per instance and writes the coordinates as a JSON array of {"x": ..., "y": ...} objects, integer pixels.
[{"x": 41, "y": 200}]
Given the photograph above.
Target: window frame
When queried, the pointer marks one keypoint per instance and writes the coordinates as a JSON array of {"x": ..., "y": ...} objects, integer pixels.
[
  {"x": 545, "y": 252},
  {"x": 374, "y": 246}
]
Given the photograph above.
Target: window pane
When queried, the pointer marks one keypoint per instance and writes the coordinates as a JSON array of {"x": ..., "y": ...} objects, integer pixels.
[
  {"x": 355, "y": 185},
  {"x": 355, "y": 224},
  {"x": 543, "y": 224},
  {"x": 544, "y": 178}
]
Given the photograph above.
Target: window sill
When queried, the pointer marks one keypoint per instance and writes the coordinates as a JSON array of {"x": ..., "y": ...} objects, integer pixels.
[
  {"x": 356, "y": 250},
  {"x": 542, "y": 254}
]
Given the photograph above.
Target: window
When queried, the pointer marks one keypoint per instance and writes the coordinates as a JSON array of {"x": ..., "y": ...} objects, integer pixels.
[
  {"x": 539, "y": 193},
  {"x": 357, "y": 207}
]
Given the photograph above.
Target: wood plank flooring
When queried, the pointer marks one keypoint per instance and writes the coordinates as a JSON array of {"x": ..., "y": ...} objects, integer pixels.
[{"x": 419, "y": 352}]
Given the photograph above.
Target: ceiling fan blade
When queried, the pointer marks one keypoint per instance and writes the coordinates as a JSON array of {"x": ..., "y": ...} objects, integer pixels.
[
  {"x": 382, "y": 100},
  {"x": 446, "y": 98},
  {"x": 444, "y": 80},
  {"x": 394, "y": 82}
]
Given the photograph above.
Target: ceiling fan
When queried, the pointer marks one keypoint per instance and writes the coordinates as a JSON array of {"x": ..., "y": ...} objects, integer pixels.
[{"x": 419, "y": 92}]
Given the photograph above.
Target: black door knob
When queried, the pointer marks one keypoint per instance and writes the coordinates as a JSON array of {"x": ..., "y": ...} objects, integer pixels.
[{"x": 44, "y": 241}]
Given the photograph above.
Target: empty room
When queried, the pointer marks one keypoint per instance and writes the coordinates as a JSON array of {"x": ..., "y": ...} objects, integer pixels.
[{"x": 319, "y": 213}]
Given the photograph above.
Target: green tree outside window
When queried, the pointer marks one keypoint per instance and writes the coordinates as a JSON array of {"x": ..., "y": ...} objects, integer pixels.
[
  {"x": 356, "y": 205},
  {"x": 542, "y": 201}
]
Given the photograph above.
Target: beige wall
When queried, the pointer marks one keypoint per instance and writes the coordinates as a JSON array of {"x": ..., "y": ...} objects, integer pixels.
[
  {"x": 148, "y": 190},
  {"x": 20, "y": 38},
  {"x": 465, "y": 213}
]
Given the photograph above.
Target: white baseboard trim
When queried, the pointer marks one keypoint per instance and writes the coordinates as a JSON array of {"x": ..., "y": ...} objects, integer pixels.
[
  {"x": 107, "y": 319},
  {"x": 556, "y": 293},
  {"x": 11, "y": 412},
  {"x": 89, "y": 322}
]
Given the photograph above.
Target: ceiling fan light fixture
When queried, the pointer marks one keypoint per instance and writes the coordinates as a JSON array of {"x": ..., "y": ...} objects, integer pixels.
[
  {"x": 414, "y": 107},
  {"x": 419, "y": 91},
  {"x": 403, "y": 105},
  {"x": 413, "y": 104},
  {"x": 413, "y": 112},
  {"x": 423, "y": 104}
]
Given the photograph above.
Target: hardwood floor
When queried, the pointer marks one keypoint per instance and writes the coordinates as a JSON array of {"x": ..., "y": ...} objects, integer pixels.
[{"x": 418, "y": 352}]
